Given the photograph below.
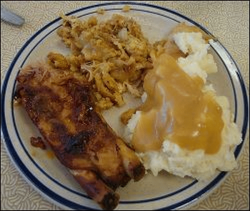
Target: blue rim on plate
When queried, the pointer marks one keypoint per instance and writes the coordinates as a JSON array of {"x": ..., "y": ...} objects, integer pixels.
[{"x": 62, "y": 200}]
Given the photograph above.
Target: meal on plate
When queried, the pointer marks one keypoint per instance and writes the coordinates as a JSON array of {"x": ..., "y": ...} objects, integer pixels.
[{"x": 182, "y": 126}]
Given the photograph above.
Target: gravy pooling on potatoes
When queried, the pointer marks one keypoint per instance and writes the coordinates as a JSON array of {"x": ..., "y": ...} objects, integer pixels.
[{"x": 178, "y": 110}]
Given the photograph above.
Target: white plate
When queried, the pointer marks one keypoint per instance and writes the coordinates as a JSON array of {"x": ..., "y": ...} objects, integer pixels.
[{"x": 51, "y": 179}]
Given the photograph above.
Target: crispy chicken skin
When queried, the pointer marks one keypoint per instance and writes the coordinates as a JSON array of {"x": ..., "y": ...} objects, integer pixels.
[{"x": 60, "y": 103}]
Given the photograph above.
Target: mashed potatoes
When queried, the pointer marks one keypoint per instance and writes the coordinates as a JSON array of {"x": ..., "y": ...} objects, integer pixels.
[{"x": 194, "y": 163}]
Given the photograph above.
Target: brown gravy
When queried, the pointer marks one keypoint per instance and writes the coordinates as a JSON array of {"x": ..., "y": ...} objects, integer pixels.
[{"x": 176, "y": 109}]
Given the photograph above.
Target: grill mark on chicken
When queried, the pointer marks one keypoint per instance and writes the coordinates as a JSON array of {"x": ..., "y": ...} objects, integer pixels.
[
  {"x": 60, "y": 103},
  {"x": 76, "y": 144}
]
